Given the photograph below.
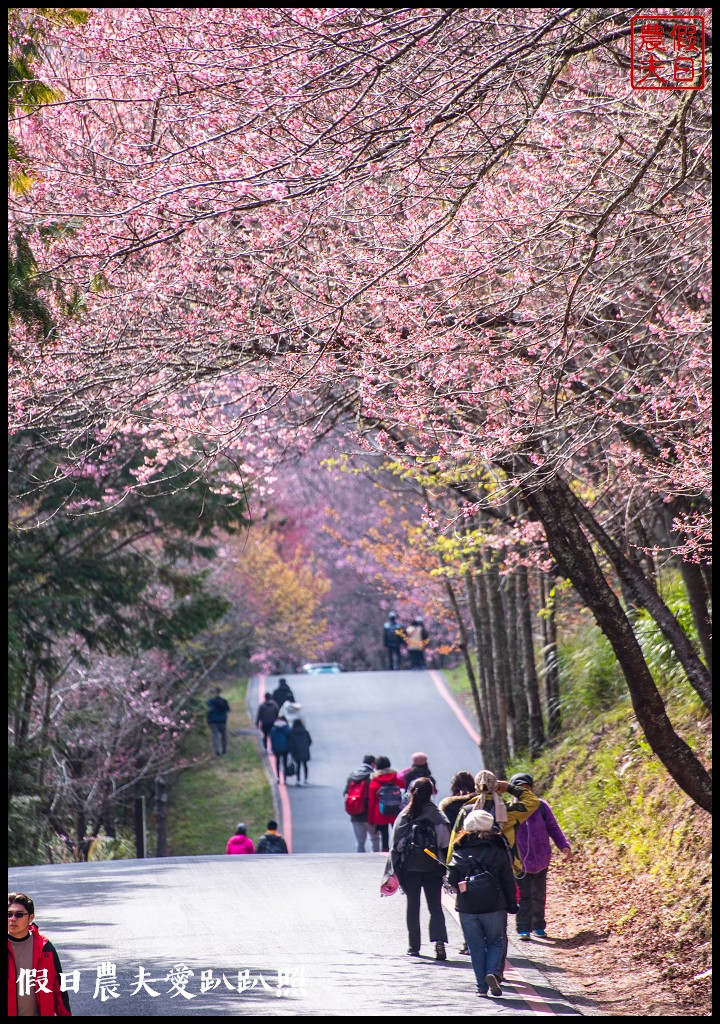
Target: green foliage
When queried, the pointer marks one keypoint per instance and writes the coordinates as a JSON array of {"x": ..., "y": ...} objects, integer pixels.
[{"x": 590, "y": 677}]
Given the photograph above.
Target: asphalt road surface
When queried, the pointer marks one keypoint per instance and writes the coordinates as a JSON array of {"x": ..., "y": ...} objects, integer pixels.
[{"x": 305, "y": 935}]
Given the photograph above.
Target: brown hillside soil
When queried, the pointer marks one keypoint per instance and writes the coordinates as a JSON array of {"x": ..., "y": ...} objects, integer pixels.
[{"x": 632, "y": 969}]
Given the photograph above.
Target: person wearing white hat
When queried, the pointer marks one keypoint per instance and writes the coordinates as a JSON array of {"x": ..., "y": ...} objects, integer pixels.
[{"x": 481, "y": 874}]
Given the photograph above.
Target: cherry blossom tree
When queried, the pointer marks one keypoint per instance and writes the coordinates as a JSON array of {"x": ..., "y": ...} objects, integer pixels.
[{"x": 458, "y": 229}]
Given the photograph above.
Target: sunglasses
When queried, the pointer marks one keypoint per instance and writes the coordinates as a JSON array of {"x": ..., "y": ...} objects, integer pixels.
[{"x": 17, "y": 913}]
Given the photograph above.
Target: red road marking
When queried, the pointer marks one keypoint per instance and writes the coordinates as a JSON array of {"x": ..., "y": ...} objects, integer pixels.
[{"x": 447, "y": 696}]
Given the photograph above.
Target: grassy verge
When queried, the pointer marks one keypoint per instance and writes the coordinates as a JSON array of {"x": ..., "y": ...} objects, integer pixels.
[{"x": 207, "y": 801}]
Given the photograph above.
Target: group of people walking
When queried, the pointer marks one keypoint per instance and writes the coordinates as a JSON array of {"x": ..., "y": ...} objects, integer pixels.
[
  {"x": 492, "y": 855},
  {"x": 285, "y": 734}
]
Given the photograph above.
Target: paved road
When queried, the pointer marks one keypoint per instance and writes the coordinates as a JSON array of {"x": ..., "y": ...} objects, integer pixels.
[
  {"x": 305, "y": 935},
  {"x": 355, "y": 713}
]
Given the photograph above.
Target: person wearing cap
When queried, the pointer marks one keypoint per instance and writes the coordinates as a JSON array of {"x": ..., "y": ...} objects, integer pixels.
[
  {"x": 479, "y": 872},
  {"x": 533, "y": 841},
  {"x": 419, "y": 769},
  {"x": 392, "y": 639},
  {"x": 240, "y": 842}
]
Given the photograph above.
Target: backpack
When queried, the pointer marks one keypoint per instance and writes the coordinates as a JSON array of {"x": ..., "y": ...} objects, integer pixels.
[
  {"x": 482, "y": 889},
  {"x": 390, "y": 799},
  {"x": 422, "y": 836},
  {"x": 356, "y": 798},
  {"x": 271, "y": 844}
]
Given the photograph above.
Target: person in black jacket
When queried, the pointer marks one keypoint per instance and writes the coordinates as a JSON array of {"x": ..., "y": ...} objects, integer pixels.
[
  {"x": 480, "y": 872},
  {"x": 282, "y": 692},
  {"x": 300, "y": 740}
]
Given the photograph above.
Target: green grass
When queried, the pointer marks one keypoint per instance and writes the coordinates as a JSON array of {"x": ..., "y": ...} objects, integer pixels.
[{"x": 208, "y": 800}]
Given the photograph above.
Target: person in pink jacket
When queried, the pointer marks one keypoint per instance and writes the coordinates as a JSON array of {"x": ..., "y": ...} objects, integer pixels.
[{"x": 240, "y": 842}]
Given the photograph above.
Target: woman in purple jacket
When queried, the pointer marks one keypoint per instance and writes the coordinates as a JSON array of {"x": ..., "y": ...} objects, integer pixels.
[
  {"x": 533, "y": 840},
  {"x": 240, "y": 842}
]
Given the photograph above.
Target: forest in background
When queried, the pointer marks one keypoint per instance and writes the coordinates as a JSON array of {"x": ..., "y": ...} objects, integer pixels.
[{"x": 447, "y": 253}]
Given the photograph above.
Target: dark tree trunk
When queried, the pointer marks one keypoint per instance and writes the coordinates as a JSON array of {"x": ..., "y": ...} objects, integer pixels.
[
  {"x": 699, "y": 606},
  {"x": 553, "y": 503},
  {"x": 527, "y": 647},
  {"x": 517, "y": 703},
  {"x": 160, "y": 817}
]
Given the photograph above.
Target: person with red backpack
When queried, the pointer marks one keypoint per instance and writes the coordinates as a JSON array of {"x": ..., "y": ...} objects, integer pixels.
[
  {"x": 385, "y": 799},
  {"x": 356, "y": 793}
]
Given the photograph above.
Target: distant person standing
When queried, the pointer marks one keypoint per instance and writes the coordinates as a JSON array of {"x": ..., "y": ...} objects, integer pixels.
[
  {"x": 265, "y": 719},
  {"x": 300, "y": 741},
  {"x": 280, "y": 743},
  {"x": 392, "y": 639},
  {"x": 33, "y": 953},
  {"x": 357, "y": 805},
  {"x": 240, "y": 842},
  {"x": 271, "y": 841},
  {"x": 533, "y": 842},
  {"x": 218, "y": 710},
  {"x": 282, "y": 692},
  {"x": 416, "y": 638}
]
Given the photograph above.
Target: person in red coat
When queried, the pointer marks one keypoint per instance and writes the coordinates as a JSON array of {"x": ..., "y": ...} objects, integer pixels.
[
  {"x": 28, "y": 951},
  {"x": 240, "y": 842},
  {"x": 383, "y": 775}
]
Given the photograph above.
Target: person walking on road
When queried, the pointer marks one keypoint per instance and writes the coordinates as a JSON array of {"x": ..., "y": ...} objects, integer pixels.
[
  {"x": 282, "y": 692},
  {"x": 417, "y": 858},
  {"x": 265, "y": 718},
  {"x": 271, "y": 841},
  {"x": 240, "y": 842},
  {"x": 479, "y": 872},
  {"x": 218, "y": 710},
  {"x": 280, "y": 744},
  {"x": 356, "y": 793},
  {"x": 416, "y": 638},
  {"x": 392, "y": 639},
  {"x": 419, "y": 769},
  {"x": 488, "y": 790},
  {"x": 385, "y": 800},
  {"x": 533, "y": 840},
  {"x": 300, "y": 741},
  {"x": 33, "y": 954}
]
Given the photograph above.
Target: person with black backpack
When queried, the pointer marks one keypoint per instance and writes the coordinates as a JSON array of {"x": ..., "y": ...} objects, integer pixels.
[
  {"x": 480, "y": 872},
  {"x": 393, "y": 640},
  {"x": 271, "y": 841},
  {"x": 417, "y": 856},
  {"x": 357, "y": 804},
  {"x": 385, "y": 799}
]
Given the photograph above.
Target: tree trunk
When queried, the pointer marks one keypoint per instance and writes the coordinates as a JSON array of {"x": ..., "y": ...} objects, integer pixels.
[
  {"x": 517, "y": 702},
  {"x": 160, "y": 816},
  {"x": 632, "y": 576},
  {"x": 550, "y": 655},
  {"x": 550, "y": 500},
  {"x": 498, "y": 640},
  {"x": 470, "y": 669},
  {"x": 527, "y": 650},
  {"x": 491, "y": 752},
  {"x": 699, "y": 606}
]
